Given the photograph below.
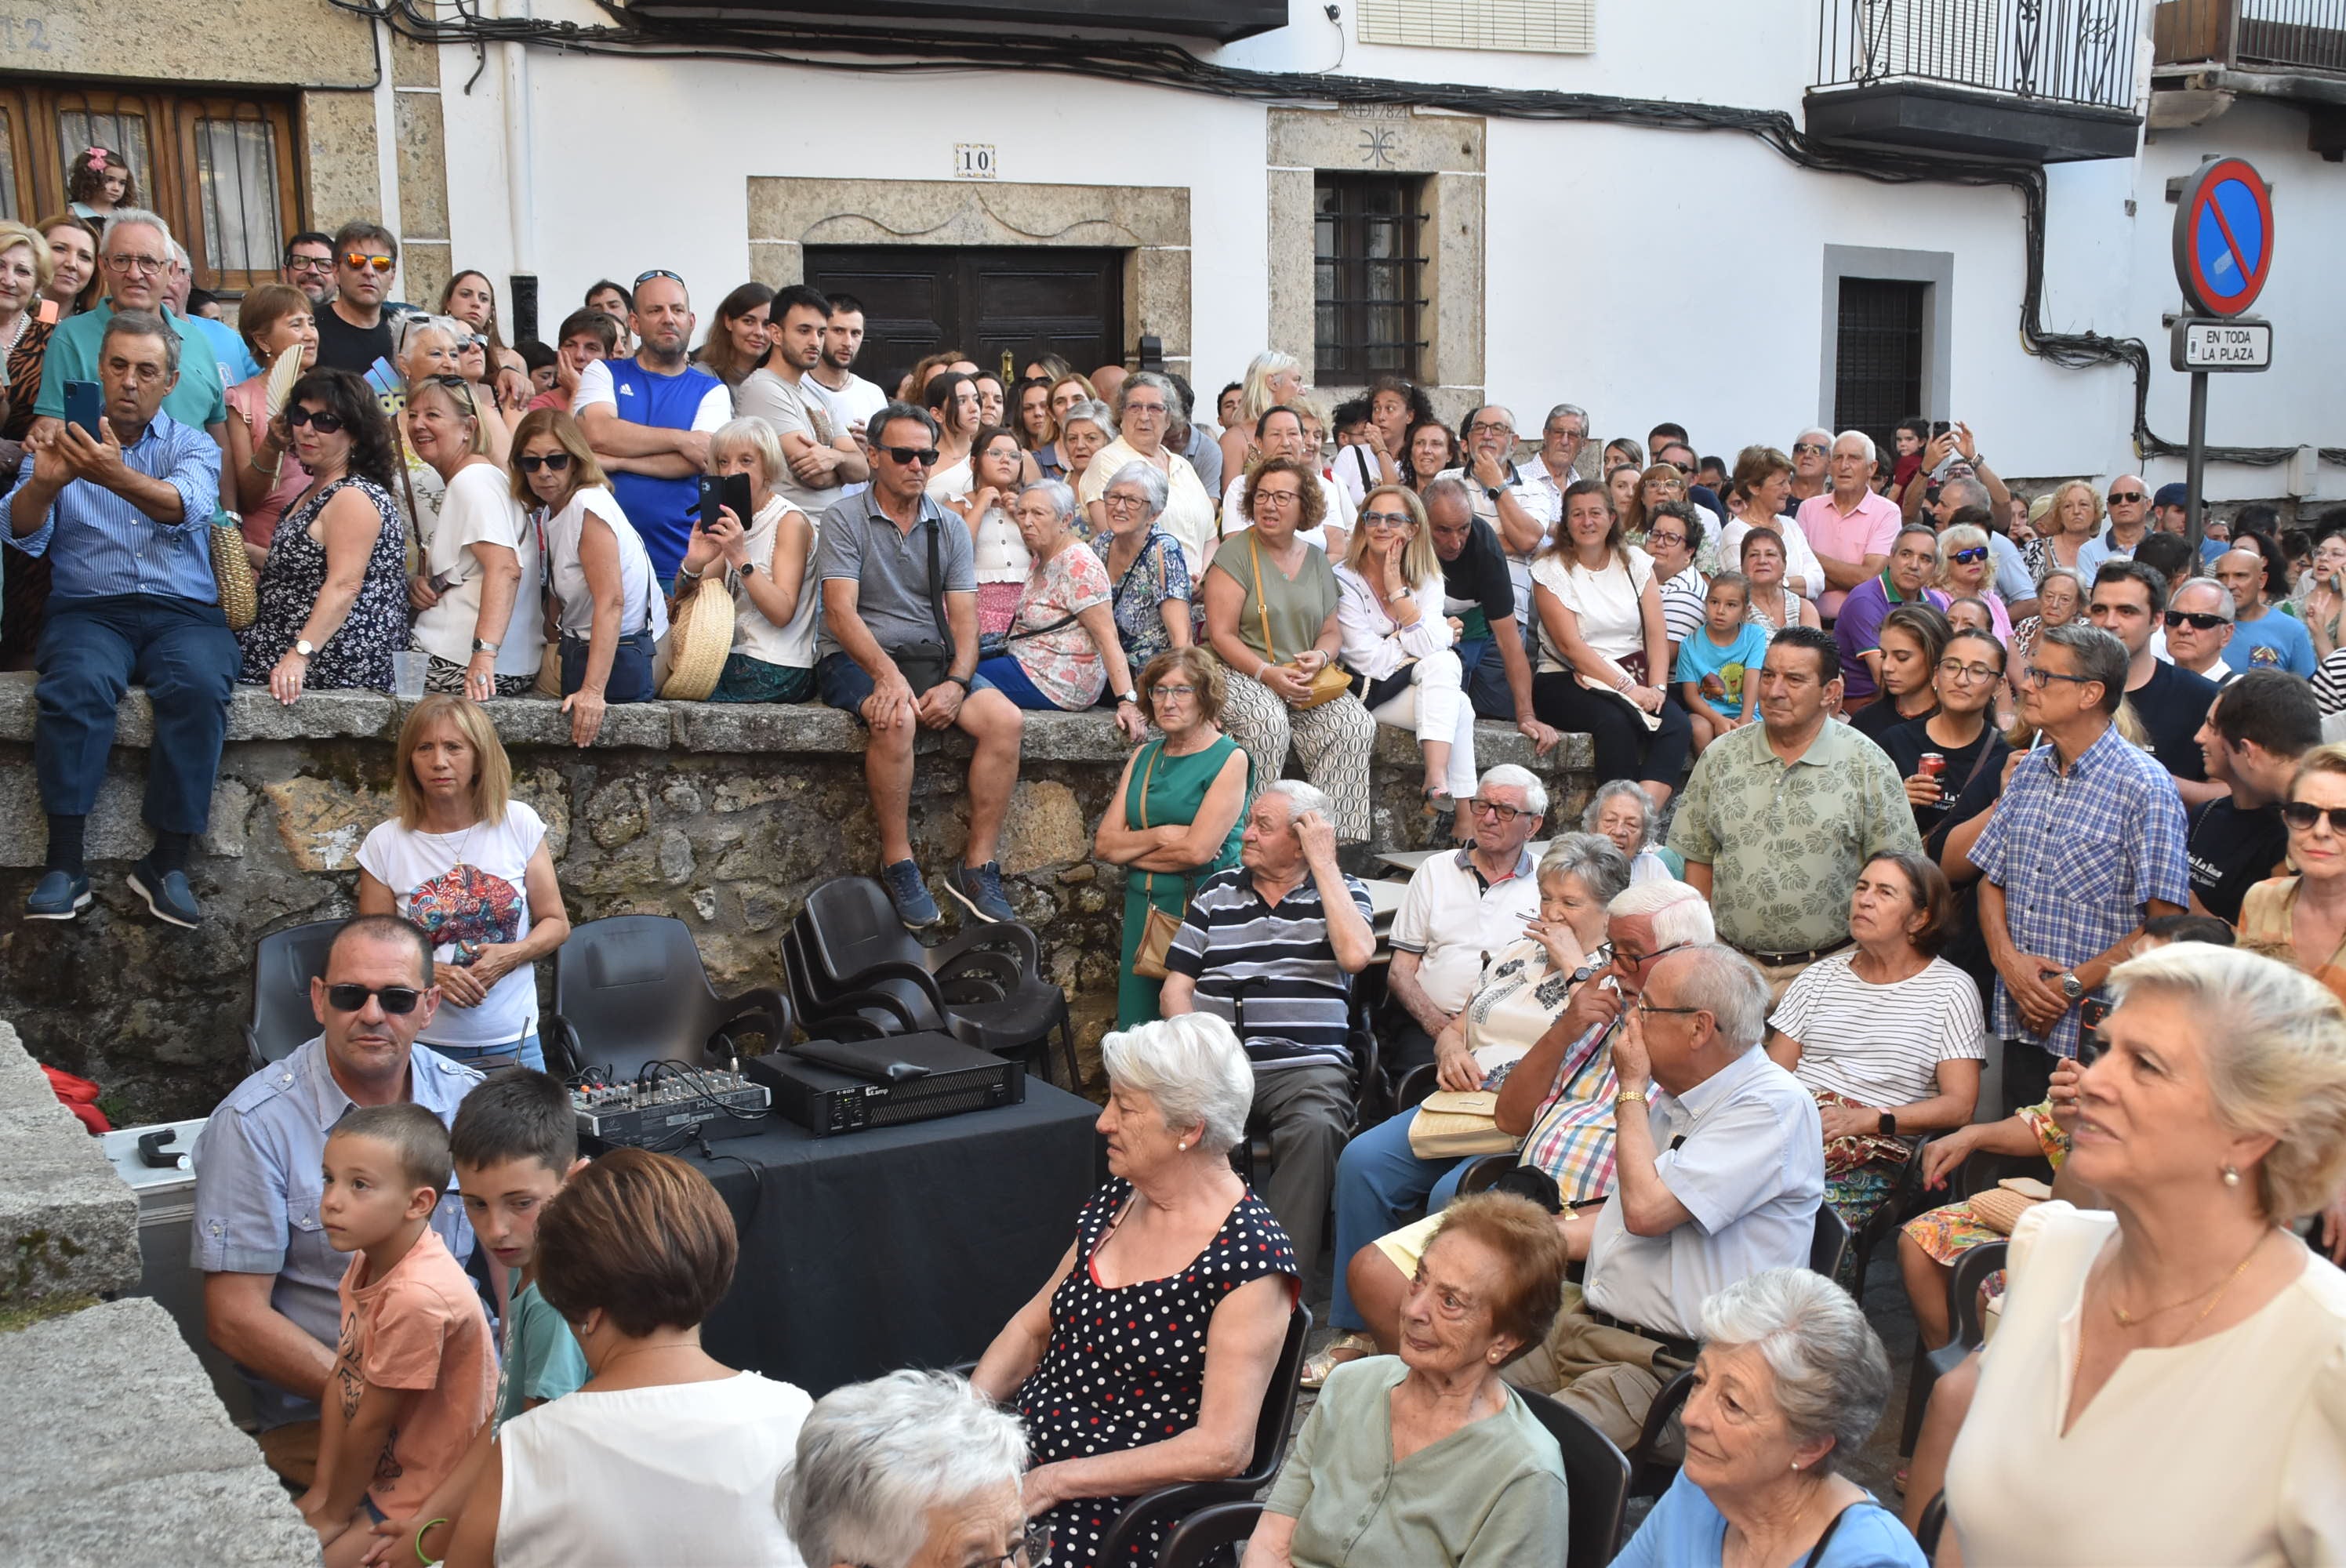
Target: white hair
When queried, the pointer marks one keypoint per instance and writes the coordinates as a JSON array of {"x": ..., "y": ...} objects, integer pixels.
[
  {"x": 1193, "y": 1070},
  {"x": 123, "y": 218},
  {"x": 1872, "y": 453},
  {"x": 1300, "y": 796},
  {"x": 2223, "y": 595},
  {"x": 1680, "y": 915},
  {"x": 1143, "y": 473},
  {"x": 1620, "y": 788},
  {"x": 875, "y": 1457},
  {"x": 1595, "y": 860},
  {"x": 1833, "y": 1377},
  {"x": 759, "y": 436},
  {"x": 1089, "y": 410},
  {"x": 1507, "y": 776},
  {"x": 1721, "y": 982},
  {"x": 1815, "y": 430},
  {"x": 2274, "y": 1040},
  {"x": 1061, "y": 498}
]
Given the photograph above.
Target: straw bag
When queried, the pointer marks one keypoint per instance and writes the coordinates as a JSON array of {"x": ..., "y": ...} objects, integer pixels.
[
  {"x": 699, "y": 637},
  {"x": 2000, "y": 1207},
  {"x": 1158, "y": 929},
  {"x": 1331, "y": 680},
  {"x": 1452, "y": 1123},
  {"x": 239, "y": 592}
]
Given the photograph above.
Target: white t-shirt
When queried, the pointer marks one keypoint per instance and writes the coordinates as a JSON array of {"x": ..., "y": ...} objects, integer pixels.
[
  {"x": 683, "y": 1473},
  {"x": 479, "y": 508},
  {"x": 792, "y": 409},
  {"x": 1456, "y": 923},
  {"x": 1799, "y": 560},
  {"x": 1341, "y": 511},
  {"x": 594, "y": 386},
  {"x": 568, "y": 578},
  {"x": 1612, "y": 619},
  {"x": 851, "y": 404},
  {"x": 466, "y": 888},
  {"x": 791, "y": 647},
  {"x": 1880, "y": 1045}
]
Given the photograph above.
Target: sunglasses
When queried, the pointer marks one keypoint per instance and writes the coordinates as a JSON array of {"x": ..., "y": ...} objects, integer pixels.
[
  {"x": 395, "y": 999},
  {"x": 551, "y": 462},
  {"x": 644, "y": 278},
  {"x": 1384, "y": 519},
  {"x": 2127, "y": 497},
  {"x": 2201, "y": 621},
  {"x": 911, "y": 456},
  {"x": 360, "y": 263},
  {"x": 457, "y": 386},
  {"x": 325, "y": 421},
  {"x": 1808, "y": 449},
  {"x": 1976, "y": 553},
  {"x": 2302, "y": 816}
]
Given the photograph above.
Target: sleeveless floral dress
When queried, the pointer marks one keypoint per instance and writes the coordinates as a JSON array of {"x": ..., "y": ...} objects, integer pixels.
[
  {"x": 1127, "y": 1367},
  {"x": 359, "y": 653}
]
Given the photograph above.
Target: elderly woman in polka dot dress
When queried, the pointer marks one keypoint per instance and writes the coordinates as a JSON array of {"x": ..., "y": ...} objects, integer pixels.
[{"x": 1144, "y": 1360}]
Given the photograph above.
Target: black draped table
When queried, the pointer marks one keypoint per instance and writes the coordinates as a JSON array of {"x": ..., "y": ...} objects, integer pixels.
[{"x": 904, "y": 1247}]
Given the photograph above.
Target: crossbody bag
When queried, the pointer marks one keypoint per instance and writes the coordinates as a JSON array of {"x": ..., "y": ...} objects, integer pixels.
[
  {"x": 1330, "y": 681},
  {"x": 1158, "y": 929}
]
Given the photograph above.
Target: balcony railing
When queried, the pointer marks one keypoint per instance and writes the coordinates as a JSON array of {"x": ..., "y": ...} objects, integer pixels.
[
  {"x": 2292, "y": 35},
  {"x": 2053, "y": 51}
]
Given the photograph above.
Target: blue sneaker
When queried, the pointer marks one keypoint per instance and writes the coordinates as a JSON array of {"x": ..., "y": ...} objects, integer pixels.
[
  {"x": 169, "y": 897},
  {"x": 979, "y": 887},
  {"x": 911, "y": 896},
  {"x": 58, "y": 895}
]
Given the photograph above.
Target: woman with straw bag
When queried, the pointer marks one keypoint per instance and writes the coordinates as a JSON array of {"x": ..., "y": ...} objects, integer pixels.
[
  {"x": 777, "y": 609},
  {"x": 1175, "y": 819},
  {"x": 602, "y": 603},
  {"x": 333, "y": 596}
]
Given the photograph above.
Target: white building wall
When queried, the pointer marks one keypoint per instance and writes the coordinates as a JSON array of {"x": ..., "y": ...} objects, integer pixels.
[{"x": 1645, "y": 274}]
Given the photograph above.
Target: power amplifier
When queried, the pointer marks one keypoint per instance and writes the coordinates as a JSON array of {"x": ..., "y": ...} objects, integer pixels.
[
  {"x": 664, "y": 1111},
  {"x": 827, "y": 1086}
]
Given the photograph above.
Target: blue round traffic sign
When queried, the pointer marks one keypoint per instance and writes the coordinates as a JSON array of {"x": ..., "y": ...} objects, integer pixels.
[{"x": 2224, "y": 237}]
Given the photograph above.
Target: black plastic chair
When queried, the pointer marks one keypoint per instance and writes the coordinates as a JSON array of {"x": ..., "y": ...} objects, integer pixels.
[
  {"x": 1967, "y": 1325},
  {"x": 888, "y": 1004},
  {"x": 1484, "y": 1173},
  {"x": 1169, "y": 1504},
  {"x": 1207, "y": 1538},
  {"x": 630, "y": 991},
  {"x": 1596, "y": 1478},
  {"x": 986, "y": 983},
  {"x": 282, "y": 967}
]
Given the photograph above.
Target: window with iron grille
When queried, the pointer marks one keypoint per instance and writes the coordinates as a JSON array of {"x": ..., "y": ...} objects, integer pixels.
[
  {"x": 219, "y": 168},
  {"x": 1368, "y": 269},
  {"x": 1878, "y": 357}
]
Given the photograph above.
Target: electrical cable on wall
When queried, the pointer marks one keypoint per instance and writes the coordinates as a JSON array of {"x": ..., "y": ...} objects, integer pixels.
[{"x": 1141, "y": 62}]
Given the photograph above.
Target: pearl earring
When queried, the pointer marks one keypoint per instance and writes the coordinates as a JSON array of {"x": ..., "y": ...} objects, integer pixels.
[
  {"x": 1796, "y": 1464},
  {"x": 2232, "y": 1176}
]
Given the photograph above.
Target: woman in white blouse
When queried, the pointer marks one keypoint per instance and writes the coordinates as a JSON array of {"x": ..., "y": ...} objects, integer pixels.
[
  {"x": 2168, "y": 1383},
  {"x": 775, "y": 609},
  {"x": 1397, "y": 641},
  {"x": 1145, "y": 407},
  {"x": 479, "y": 559},
  {"x": 1604, "y": 649}
]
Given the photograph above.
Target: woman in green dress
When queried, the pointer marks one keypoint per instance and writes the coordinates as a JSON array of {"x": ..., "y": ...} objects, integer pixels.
[{"x": 1175, "y": 819}]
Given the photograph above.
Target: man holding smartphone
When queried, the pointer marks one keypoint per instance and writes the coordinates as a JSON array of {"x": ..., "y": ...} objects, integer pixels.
[{"x": 125, "y": 518}]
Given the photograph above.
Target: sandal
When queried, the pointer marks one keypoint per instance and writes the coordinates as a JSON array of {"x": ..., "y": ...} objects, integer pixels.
[{"x": 1334, "y": 1354}]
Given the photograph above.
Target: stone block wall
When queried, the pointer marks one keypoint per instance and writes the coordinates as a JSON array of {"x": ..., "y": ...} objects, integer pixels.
[
  {"x": 68, "y": 1226},
  {"x": 722, "y": 815}
]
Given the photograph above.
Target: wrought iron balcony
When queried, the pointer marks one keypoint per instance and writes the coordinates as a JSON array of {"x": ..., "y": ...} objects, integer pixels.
[
  {"x": 2205, "y": 55},
  {"x": 2043, "y": 81}
]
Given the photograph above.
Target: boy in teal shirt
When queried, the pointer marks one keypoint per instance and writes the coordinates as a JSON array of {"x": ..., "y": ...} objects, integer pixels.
[
  {"x": 514, "y": 1143},
  {"x": 1714, "y": 663}
]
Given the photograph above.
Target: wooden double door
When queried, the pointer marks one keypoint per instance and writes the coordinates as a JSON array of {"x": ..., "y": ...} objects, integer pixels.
[{"x": 996, "y": 305}]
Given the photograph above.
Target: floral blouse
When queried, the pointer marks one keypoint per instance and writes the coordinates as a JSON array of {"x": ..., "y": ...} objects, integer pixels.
[{"x": 1159, "y": 572}]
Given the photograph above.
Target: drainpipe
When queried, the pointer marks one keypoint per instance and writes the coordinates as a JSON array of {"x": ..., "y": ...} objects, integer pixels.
[{"x": 521, "y": 179}]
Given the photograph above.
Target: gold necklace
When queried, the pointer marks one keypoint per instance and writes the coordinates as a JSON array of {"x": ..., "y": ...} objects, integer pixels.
[{"x": 2128, "y": 1320}]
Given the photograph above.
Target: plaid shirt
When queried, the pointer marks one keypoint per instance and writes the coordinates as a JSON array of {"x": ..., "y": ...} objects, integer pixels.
[
  {"x": 1572, "y": 1134},
  {"x": 2078, "y": 855}
]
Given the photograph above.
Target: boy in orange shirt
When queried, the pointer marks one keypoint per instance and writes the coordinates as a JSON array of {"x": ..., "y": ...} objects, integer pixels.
[{"x": 415, "y": 1373}]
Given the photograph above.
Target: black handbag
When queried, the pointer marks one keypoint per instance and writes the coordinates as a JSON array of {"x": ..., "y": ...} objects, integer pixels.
[{"x": 925, "y": 664}]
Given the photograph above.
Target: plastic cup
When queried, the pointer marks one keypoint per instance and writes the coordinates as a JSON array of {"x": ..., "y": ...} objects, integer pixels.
[{"x": 408, "y": 669}]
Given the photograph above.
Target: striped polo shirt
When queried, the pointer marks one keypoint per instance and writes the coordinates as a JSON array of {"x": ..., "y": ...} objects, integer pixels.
[{"x": 1270, "y": 972}]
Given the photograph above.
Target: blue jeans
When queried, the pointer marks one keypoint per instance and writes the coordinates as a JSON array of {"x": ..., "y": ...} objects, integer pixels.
[
  {"x": 89, "y": 653},
  {"x": 1378, "y": 1182},
  {"x": 527, "y": 1053},
  {"x": 1487, "y": 679}
]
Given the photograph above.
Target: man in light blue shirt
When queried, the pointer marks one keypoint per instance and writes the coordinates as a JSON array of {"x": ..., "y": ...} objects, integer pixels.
[
  {"x": 125, "y": 519},
  {"x": 2262, "y": 636},
  {"x": 135, "y": 257},
  {"x": 270, "y": 1272}
]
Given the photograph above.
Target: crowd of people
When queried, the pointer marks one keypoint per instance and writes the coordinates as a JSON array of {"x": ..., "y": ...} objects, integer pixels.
[{"x": 1903, "y": 780}]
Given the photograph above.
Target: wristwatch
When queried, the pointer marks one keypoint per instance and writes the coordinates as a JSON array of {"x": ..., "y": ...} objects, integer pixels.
[
  {"x": 1625, "y": 1095},
  {"x": 748, "y": 569},
  {"x": 480, "y": 645},
  {"x": 1490, "y": 492},
  {"x": 1130, "y": 697},
  {"x": 2072, "y": 987},
  {"x": 1888, "y": 1126},
  {"x": 305, "y": 647}
]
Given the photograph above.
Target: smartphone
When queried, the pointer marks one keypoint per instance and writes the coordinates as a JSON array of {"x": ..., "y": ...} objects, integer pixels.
[
  {"x": 84, "y": 403},
  {"x": 2090, "y": 1044},
  {"x": 721, "y": 491}
]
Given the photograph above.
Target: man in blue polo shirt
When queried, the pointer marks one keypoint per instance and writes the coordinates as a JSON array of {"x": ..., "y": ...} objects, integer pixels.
[
  {"x": 136, "y": 259},
  {"x": 125, "y": 518},
  {"x": 648, "y": 420}
]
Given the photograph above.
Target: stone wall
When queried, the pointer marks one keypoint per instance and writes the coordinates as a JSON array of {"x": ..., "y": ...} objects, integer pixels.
[{"x": 722, "y": 815}]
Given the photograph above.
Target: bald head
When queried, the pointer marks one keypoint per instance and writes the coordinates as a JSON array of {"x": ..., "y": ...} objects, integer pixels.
[{"x": 2243, "y": 572}]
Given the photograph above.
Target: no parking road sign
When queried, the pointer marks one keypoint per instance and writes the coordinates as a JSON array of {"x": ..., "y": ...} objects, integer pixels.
[{"x": 2223, "y": 237}]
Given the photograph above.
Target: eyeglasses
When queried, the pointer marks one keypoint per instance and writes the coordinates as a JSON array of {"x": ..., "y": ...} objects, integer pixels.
[
  {"x": 1384, "y": 519},
  {"x": 325, "y": 421},
  {"x": 2302, "y": 816},
  {"x": 1163, "y": 691},
  {"x": 1807, "y": 449},
  {"x": 138, "y": 266},
  {"x": 1154, "y": 410},
  {"x": 1498, "y": 813},
  {"x": 1632, "y": 961},
  {"x": 1277, "y": 497},
  {"x": 1657, "y": 537},
  {"x": 1956, "y": 669},
  {"x": 310, "y": 264},
  {"x": 551, "y": 462},
  {"x": 911, "y": 456},
  {"x": 2201, "y": 621},
  {"x": 398, "y": 1000},
  {"x": 1116, "y": 500},
  {"x": 2127, "y": 497},
  {"x": 357, "y": 262},
  {"x": 2038, "y": 675},
  {"x": 1647, "y": 1009},
  {"x": 1488, "y": 427},
  {"x": 1975, "y": 553},
  {"x": 644, "y": 278}
]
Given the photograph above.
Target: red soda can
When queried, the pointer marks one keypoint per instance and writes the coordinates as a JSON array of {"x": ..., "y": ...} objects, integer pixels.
[{"x": 1932, "y": 765}]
